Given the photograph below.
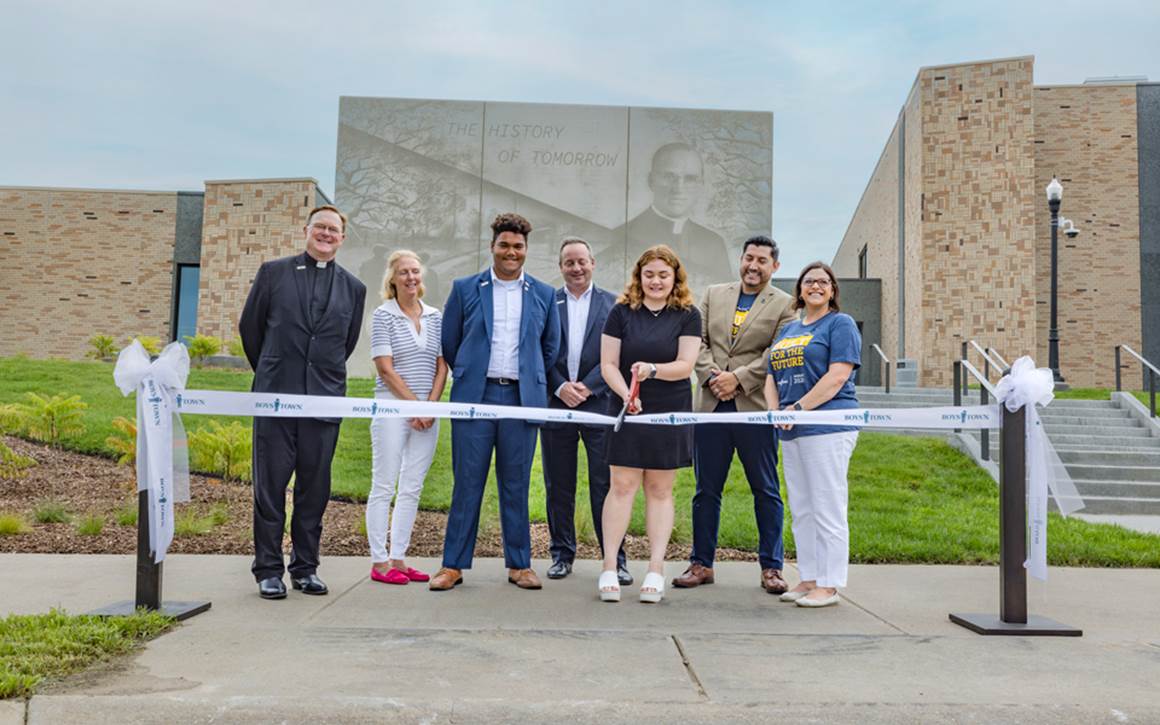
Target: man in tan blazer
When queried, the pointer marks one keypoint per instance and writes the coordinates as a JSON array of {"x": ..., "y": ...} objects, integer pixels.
[{"x": 739, "y": 322}]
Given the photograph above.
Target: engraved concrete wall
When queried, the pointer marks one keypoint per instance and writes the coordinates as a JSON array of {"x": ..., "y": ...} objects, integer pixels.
[
  {"x": 246, "y": 223},
  {"x": 79, "y": 262},
  {"x": 1087, "y": 136},
  {"x": 431, "y": 175}
]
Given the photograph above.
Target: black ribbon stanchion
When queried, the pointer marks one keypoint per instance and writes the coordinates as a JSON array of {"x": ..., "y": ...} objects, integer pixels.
[
  {"x": 148, "y": 595},
  {"x": 1013, "y": 618}
]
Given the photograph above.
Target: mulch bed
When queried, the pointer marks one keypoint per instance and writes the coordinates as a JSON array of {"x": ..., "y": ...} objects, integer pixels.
[{"x": 94, "y": 486}]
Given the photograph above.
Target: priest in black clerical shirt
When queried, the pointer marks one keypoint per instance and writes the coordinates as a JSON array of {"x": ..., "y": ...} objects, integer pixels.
[{"x": 300, "y": 324}]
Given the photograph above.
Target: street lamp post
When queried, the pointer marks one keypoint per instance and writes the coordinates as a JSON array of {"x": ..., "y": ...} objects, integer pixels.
[{"x": 1054, "y": 199}]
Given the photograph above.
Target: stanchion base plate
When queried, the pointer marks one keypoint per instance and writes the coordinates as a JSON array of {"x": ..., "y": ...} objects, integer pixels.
[
  {"x": 1035, "y": 627},
  {"x": 178, "y": 610}
]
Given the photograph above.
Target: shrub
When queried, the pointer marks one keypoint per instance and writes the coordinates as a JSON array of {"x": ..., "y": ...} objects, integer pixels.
[
  {"x": 151, "y": 344},
  {"x": 12, "y": 464},
  {"x": 127, "y": 515},
  {"x": 90, "y": 525},
  {"x": 202, "y": 346},
  {"x": 12, "y": 524},
  {"x": 221, "y": 449},
  {"x": 219, "y": 514},
  {"x": 236, "y": 348},
  {"x": 189, "y": 523},
  {"x": 50, "y": 419},
  {"x": 123, "y": 443},
  {"x": 50, "y": 512},
  {"x": 11, "y": 419},
  {"x": 103, "y": 347}
]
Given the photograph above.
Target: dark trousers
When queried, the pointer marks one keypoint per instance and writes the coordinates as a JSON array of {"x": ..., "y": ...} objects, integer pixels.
[
  {"x": 559, "y": 448},
  {"x": 756, "y": 446},
  {"x": 284, "y": 446},
  {"x": 472, "y": 443}
]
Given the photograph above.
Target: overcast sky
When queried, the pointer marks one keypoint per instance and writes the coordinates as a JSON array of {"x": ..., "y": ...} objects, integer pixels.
[{"x": 164, "y": 95}]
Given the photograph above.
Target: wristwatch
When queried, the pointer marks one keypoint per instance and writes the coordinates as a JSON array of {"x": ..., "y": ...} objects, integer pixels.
[
  {"x": 652, "y": 370},
  {"x": 797, "y": 406}
]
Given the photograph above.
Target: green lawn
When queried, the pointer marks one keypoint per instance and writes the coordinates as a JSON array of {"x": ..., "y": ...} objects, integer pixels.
[
  {"x": 36, "y": 647},
  {"x": 911, "y": 499}
]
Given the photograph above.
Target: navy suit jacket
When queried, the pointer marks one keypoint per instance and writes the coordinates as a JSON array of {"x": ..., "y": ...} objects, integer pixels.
[
  {"x": 589, "y": 374},
  {"x": 467, "y": 325}
]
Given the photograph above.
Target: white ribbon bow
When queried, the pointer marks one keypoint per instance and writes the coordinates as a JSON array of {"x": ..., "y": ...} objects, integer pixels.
[
  {"x": 162, "y": 450},
  {"x": 1024, "y": 387}
]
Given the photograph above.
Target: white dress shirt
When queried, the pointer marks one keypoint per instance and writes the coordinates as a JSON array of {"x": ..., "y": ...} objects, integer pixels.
[
  {"x": 507, "y": 300},
  {"x": 577, "y": 322}
]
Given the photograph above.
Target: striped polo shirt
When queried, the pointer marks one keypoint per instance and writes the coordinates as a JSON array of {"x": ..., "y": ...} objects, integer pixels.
[{"x": 413, "y": 352}]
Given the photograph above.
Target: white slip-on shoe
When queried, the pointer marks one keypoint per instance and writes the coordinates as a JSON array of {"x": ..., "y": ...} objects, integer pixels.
[
  {"x": 653, "y": 581},
  {"x": 792, "y": 596},
  {"x": 814, "y": 603},
  {"x": 609, "y": 586}
]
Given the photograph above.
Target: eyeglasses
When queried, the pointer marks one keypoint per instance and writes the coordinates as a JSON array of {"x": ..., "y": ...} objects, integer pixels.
[
  {"x": 670, "y": 179},
  {"x": 822, "y": 282},
  {"x": 327, "y": 228}
]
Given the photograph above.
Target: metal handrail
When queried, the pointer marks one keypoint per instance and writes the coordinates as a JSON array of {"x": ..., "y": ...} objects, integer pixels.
[
  {"x": 1151, "y": 371},
  {"x": 997, "y": 356},
  {"x": 987, "y": 362},
  {"x": 960, "y": 384},
  {"x": 885, "y": 361}
]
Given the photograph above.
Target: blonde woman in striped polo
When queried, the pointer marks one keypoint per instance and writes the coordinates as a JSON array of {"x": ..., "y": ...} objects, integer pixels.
[{"x": 408, "y": 358}]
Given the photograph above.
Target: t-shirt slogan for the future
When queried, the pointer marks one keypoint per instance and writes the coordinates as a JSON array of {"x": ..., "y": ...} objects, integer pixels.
[{"x": 802, "y": 354}]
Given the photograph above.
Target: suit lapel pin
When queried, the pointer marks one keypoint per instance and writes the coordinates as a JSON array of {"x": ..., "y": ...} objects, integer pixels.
[{"x": 301, "y": 266}]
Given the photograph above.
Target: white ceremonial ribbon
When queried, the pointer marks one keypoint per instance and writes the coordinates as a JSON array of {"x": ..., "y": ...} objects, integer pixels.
[
  {"x": 162, "y": 449},
  {"x": 1025, "y": 386},
  {"x": 279, "y": 405}
]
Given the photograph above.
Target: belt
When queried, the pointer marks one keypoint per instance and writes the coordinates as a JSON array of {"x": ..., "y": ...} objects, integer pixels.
[{"x": 504, "y": 381}]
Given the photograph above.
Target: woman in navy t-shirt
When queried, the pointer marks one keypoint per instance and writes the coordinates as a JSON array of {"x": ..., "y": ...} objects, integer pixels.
[{"x": 811, "y": 367}]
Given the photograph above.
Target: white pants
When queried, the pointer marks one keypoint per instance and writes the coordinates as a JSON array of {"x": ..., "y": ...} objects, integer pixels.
[
  {"x": 399, "y": 455},
  {"x": 815, "y": 479}
]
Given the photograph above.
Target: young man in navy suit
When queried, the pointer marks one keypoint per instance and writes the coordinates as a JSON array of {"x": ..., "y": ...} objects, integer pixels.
[
  {"x": 575, "y": 382},
  {"x": 501, "y": 333},
  {"x": 299, "y": 325}
]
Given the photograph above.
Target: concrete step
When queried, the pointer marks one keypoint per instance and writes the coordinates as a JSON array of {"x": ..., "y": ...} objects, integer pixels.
[
  {"x": 1102, "y": 417},
  {"x": 1116, "y": 443},
  {"x": 1116, "y": 505},
  {"x": 1110, "y": 458},
  {"x": 1117, "y": 429},
  {"x": 1117, "y": 489},
  {"x": 1096, "y": 471}
]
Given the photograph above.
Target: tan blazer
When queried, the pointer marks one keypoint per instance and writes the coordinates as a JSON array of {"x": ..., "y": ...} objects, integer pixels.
[{"x": 744, "y": 355}]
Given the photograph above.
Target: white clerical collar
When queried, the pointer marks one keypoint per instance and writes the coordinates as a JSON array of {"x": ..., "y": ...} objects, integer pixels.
[
  {"x": 678, "y": 224},
  {"x": 320, "y": 265},
  {"x": 584, "y": 294},
  {"x": 506, "y": 282}
]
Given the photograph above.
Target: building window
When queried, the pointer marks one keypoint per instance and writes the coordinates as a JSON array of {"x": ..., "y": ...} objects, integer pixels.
[
  {"x": 188, "y": 279},
  {"x": 862, "y": 271}
]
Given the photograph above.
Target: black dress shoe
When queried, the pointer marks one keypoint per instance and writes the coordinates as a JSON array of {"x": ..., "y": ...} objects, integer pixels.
[
  {"x": 272, "y": 588},
  {"x": 309, "y": 584},
  {"x": 622, "y": 575},
  {"x": 559, "y": 569}
]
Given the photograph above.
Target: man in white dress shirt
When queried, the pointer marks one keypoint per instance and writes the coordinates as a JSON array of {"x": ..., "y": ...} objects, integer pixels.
[
  {"x": 500, "y": 335},
  {"x": 576, "y": 383}
]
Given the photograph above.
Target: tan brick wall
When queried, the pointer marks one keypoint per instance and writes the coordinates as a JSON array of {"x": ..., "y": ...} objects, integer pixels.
[
  {"x": 875, "y": 227},
  {"x": 83, "y": 262},
  {"x": 912, "y": 228},
  {"x": 245, "y": 223},
  {"x": 977, "y": 237},
  {"x": 1087, "y": 136}
]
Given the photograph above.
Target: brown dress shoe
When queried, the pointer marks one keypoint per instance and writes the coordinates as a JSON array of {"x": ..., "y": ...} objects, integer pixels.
[
  {"x": 524, "y": 579},
  {"x": 772, "y": 581},
  {"x": 694, "y": 576},
  {"x": 445, "y": 579}
]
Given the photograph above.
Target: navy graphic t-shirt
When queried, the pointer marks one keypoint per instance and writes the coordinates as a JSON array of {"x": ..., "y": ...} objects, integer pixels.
[{"x": 802, "y": 354}]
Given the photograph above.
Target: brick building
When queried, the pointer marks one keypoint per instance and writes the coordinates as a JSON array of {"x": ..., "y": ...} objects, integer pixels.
[
  {"x": 955, "y": 223},
  {"x": 80, "y": 262}
]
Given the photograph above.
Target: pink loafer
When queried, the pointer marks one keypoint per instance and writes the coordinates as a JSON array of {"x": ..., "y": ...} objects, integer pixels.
[
  {"x": 393, "y": 576},
  {"x": 417, "y": 576}
]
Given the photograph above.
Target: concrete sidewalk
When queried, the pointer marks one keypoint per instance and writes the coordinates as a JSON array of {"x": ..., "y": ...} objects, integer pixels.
[{"x": 488, "y": 652}]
